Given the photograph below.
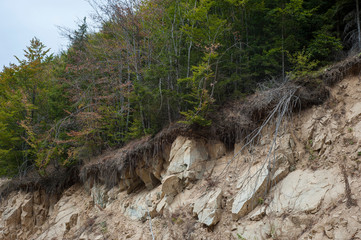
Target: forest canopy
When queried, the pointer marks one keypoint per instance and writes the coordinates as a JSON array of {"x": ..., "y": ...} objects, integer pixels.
[{"x": 154, "y": 62}]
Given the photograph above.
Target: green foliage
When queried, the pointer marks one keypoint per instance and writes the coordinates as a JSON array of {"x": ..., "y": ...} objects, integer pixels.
[
  {"x": 152, "y": 63},
  {"x": 302, "y": 63},
  {"x": 199, "y": 99},
  {"x": 324, "y": 46}
]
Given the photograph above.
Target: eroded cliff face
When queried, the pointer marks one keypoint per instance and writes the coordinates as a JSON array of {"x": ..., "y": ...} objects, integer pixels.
[{"x": 289, "y": 187}]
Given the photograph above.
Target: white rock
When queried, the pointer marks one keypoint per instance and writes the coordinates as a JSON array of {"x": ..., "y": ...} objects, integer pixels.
[
  {"x": 255, "y": 182},
  {"x": 253, "y": 230},
  {"x": 208, "y": 207},
  {"x": 186, "y": 155},
  {"x": 357, "y": 131},
  {"x": 258, "y": 214},
  {"x": 65, "y": 219},
  {"x": 304, "y": 191},
  {"x": 252, "y": 184},
  {"x": 354, "y": 112},
  {"x": 145, "y": 203},
  {"x": 319, "y": 141}
]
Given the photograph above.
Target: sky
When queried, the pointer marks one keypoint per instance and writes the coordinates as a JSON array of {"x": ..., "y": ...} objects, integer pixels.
[{"x": 21, "y": 20}]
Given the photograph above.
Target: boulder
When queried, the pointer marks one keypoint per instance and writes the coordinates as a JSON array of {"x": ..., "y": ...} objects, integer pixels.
[
  {"x": 143, "y": 205},
  {"x": 208, "y": 208},
  {"x": 65, "y": 219},
  {"x": 187, "y": 157},
  {"x": 171, "y": 185},
  {"x": 256, "y": 182},
  {"x": 304, "y": 191},
  {"x": 252, "y": 184}
]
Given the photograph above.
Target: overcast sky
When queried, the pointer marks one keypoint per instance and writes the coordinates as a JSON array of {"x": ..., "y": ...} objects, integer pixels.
[{"x": 21, "y": 20}]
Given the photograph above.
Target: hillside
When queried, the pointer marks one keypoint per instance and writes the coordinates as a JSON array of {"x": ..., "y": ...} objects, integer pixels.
[
  {"x": 187, "y": 119},
  {"x": 299, "y": 179}
]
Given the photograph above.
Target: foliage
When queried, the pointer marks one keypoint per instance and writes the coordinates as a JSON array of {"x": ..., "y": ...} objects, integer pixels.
[
  {"x": 302, "y": 63},
  {"x": 154, "y": 62}
]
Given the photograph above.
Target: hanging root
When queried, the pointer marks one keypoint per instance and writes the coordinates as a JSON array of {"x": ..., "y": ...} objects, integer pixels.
[{"x": 286, "y": 103}]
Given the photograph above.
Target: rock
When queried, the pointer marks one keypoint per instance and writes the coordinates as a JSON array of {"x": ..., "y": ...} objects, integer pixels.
[
  {"x": 354, "y": 112},
  {"x": 130, "y": 181},
  {"x": 253, "y": 230},
  {"x": 253, "y": 183},
  {"x": 357, "y": 131},
  {"x": 238, "y": 148},
  {"x": 280, "y": 174},
  {"x": 319, "y": 141},
  {"x": 148, "y": 178},
  {"x": 171, "y": 185},
  {"x": 99, "y": 195},
  {"x": 341, "y": 233},
  {"x": 73, "y": 220},
  {"x": 12, "y": 216},
  {"x": 150, "y": 174},
  {"x": 304, "y": 191},
  {"x": 145, "y": 203},
  {"x": 113, "y": 193},
  {"x": 161, "y": 205},
  {"x": 65, "y": 219},
  {"x": 188, "y": 157},
  {"x": 285, "y": 229},
  {"x": 208, "y": 208},
  {"x": 216, "y": 149},
  {"x": 258, "y": 214},
  {"x": 27, "y": 214}
]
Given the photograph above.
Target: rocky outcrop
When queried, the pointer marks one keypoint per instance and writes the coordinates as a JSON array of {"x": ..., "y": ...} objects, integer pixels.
[
  {"x": 22, "y": 214},
  {"x": 187, "y": 159},
  {"x": 257, "y": 180},
  {"x": 305, "y": 191}
]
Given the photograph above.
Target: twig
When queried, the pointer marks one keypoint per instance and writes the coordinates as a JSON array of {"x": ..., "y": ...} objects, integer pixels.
[
  {"x": 278, "y": 112},
  {"x": 150, "y": 221}
]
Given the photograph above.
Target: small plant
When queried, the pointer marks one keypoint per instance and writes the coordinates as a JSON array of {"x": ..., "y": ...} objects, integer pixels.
[
  {"x": 177, "y": 219},
  {"x": 260, "y": 200},
  {"x": 103, "y": 226},
  {"x": 359, "y": 154},
  {"x": 310, "y": 150},
  {"x": 312, "y": 157},
  {"x": 240, "y": 237},
  {"x": 350, "y": 130},
  {"x": 273, "y": 232},
  {"x": 349, "y": 141}
]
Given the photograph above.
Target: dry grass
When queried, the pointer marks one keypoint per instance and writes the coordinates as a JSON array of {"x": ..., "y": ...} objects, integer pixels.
[{"x": 54, "y": 183}]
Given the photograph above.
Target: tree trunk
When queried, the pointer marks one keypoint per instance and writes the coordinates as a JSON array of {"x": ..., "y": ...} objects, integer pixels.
[{"x": 358, "y": 25}]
